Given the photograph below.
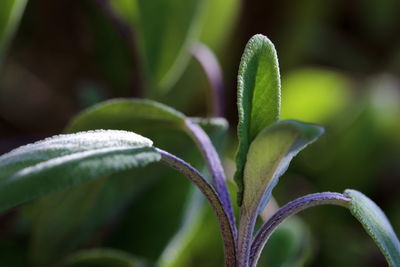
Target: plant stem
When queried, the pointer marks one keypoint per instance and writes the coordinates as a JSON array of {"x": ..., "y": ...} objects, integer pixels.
[
  {"x": 212, "y": 196},
  {"x": 245, "y": 236},
  {"x": 213, "y": 72},
  {"x": 291, "y": 208},
  {"x": 215, "y": 166}
]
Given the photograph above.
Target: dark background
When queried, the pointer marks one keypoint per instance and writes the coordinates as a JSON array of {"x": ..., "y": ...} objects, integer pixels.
[{"x": 67, "y": 55}]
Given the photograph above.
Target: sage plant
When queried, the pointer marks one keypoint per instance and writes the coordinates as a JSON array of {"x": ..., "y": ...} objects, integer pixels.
[{"x": 266, "y": 147}]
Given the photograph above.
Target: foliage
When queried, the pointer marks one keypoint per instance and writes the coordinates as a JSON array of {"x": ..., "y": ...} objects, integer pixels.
[{"x": 102, "y": 194}]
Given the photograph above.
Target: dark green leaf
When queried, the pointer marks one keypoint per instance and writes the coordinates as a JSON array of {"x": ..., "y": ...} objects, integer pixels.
[
  {"x": 102, "y": 258},
  {"x": 127, "y": 113},
  {"x": 179, "y": 244},
  {"x": 128, "y": 193},
  {"x": 10, "y": 15},
  {"x": 288, "y": 246},
  {"x": 258, "y": 97},
  {"x": 376, "y": 224},
  {"x": 164, "y": 30},
  {"x": 269, "y": 156},
  {"x": 65, "y": 160}
]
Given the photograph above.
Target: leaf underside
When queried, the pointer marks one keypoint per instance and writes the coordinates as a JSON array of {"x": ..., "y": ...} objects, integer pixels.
[{"x": 269, "y": 156}]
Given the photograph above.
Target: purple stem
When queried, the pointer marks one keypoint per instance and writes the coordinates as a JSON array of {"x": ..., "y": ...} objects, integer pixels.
[
  {"x": 291, "y": 208},
  {"x": 215, "y": 166},
  {"x": 214, "y": 199},
  {"x": 213, "y": 72}
]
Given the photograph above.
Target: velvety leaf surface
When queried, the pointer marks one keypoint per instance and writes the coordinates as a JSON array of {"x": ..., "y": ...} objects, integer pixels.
[
  {"x": 269, "y": 156},
  {"x": 121, "y": 113},
  {"x": 10, "y": 15},
  {"x": 164, "y": 30},
  {"x": 65, "y": 160},
  {"x": 121, "y": 199},
  {"x": 376, "y": 224},
  {"x": 102, "y": 258},
  {"x": 258, "y": 96}
]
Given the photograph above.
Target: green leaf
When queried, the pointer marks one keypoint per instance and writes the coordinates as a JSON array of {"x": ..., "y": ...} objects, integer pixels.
[
  {"x": 220, "y": 17},
  {"x": 127, "y": 113},
  {"x": 269, "y": 156},
  {"x": 128, "y": 193},
  {"x": 288, "y": 246},
  {"x": 62, "y": 161},
  {"x": 258, "y": 97},
  {"x": 376, "y": 224},
  {"x": 101, "y": 258},
  {"x": 179, "y": 244},
  {"x": 10, "y": 15},
  {"x": 164, "y": 30}
]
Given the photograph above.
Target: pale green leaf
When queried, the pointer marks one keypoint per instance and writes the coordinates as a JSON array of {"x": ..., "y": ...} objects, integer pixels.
[
  {"x": 164, "y": 30},
  {"x": 62, "y": 161},
  {"x": 218, "y": 22},
  {"x": 10, "y": 15},
  {"x": 269, "y": 156},
  {"x": 376, "y": 224},
  {"x": 258, "y": 97}
]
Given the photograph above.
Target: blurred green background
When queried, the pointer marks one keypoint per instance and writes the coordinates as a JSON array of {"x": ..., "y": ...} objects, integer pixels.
[{"x": 340, "y": 67}]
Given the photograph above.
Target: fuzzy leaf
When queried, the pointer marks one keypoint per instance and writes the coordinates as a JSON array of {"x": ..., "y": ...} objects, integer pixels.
[
  {"x": 62, "y": 161},
  {"x": 258, "y": 97},
  {"x": 114, "y": 113},
  {"x": 376, "y": 224},
  {"x": 164, "y": 29},
  {"x": 10, "y": 15},
  {"x": 269, "y": 156},
  {"x": 128, "y": 193}
]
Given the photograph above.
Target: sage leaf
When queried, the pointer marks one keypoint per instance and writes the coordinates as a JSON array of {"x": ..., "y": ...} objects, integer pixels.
[
  {"x": 10, "y": 15},
  {"x": 376, "y": 224},
  {"x": 180, "y": 242},
  {"x": 269, "y": 156},
  {"x": 289, "y": 245},
  {"x": 218, "y": 22},
  {"x": 104, "y": 257},
  {"x": 164, "y": 30},
  {"x": 62, "y": 161},
  {"x": 127, "y": 193},
  {"x": 127, "y": 113},
  {"x": 258, "y": 97}
]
